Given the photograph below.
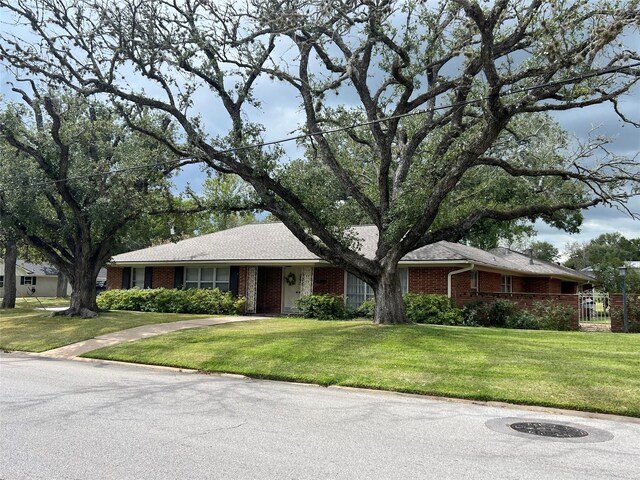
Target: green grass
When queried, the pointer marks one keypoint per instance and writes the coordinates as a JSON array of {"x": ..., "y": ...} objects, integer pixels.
[
  {"x": 586, "y": 371},
  {"x": 39, "y": 302},
  {"x": 27, "y": 329}
]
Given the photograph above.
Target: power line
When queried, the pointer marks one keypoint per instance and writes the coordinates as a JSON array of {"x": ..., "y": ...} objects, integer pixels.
[{"x": 556, "y": 83}]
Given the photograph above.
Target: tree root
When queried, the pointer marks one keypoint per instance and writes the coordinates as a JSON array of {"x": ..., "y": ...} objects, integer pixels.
[{"x": 75, "y": 312}]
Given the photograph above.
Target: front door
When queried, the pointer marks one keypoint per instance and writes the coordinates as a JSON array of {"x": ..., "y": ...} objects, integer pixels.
[{"x": 290, "y": 288}]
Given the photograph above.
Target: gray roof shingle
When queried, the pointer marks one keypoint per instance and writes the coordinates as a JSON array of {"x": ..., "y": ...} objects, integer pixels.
[
  {"x": 273, "y": 242},
  {"x": 38, "y": 269}
]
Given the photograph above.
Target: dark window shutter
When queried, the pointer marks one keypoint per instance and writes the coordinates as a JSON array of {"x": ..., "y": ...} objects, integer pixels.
[
  {"x": 126, "y": 278},
  {"x": 234, "y": 280},
  {"x": 21, "y": 280},
  {"x": 148, "y": 275},
  {"x": 33, "y": 280},
  {"x": 178, "y": 277}
]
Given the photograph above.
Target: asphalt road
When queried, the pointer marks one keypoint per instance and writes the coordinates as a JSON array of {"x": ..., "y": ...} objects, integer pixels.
[{"x": 63, "y": 419}]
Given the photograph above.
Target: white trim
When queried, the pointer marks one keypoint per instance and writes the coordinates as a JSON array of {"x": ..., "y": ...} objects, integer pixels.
[
  {"x": 455, "y": 272},
  {"x": 306, "y": 281},
  {"x": 504, "y": 284},
  {"x": 292, "y": 309},
  {"x": 214, "y": 280}
]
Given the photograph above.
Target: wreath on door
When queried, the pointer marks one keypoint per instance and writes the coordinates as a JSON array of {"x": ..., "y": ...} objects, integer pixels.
[{"x": 290, "y": 279}]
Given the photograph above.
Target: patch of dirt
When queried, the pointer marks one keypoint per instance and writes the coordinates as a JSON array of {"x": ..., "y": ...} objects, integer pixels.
[{"x": 595, "y": 327}]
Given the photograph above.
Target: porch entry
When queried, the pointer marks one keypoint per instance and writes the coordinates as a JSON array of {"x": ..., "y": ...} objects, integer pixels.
[
  {"x": 291, "y": 288},
  {"x": 593, "y": 307}
]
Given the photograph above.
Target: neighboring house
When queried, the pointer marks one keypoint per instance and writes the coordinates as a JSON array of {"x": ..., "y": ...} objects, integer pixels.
[
  {"x": 270, "y": 267},
  {"x": 33, "y": 279}
]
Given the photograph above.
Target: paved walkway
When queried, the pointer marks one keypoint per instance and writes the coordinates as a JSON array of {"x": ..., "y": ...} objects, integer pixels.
[{"x": 137, "y": 333}]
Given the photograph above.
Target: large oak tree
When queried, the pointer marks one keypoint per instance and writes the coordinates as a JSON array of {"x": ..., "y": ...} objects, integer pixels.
[
  {"x": 70, "y": 182},
  {"x": 465, "y": 70}
]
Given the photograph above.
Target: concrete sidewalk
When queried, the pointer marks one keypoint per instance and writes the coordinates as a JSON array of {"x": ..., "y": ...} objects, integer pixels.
[{"x": 137, "y": 333}]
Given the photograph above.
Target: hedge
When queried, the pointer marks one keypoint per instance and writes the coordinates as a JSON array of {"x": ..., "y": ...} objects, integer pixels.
[{"x": 167, "y": 300}]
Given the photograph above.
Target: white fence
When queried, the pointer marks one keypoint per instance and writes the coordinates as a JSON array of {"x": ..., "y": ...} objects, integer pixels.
[{"x": 593, "y": 306}]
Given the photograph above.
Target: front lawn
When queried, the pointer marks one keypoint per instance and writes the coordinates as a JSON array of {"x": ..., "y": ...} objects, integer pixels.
[
  {"x": 39, "y": 302},
  {"x": 28, "y": 329},
  {"x": 585, "y": 371}
]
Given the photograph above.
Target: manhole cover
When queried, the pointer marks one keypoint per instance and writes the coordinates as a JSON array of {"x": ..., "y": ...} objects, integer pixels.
[{"x": 548, "y": 430}]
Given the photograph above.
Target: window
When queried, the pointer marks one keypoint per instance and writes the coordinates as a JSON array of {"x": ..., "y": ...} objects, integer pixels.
[
  {"x": 207, "y": 278},
  {"x": 137, "y": 277},
  {"x": 474, "y": 280},
  {"x": 27, "y": 280},
  {"x": 1, "y": 281},
  {"x": 505, "y": 284},
  {"x": 358, "y": 291}
]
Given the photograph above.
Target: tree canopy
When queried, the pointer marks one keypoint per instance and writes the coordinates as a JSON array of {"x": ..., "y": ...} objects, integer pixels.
[
  {"x": 440, "y": 92},
  {"x": 605, "y": 255},
  {"x": 545, "y": 251},
  {"x": 69, "y": 182}
]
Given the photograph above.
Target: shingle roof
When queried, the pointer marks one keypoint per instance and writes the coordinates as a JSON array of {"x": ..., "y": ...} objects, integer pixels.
[
  {"x": 273, "y": 242},
  {"x": 258, "y": 241},
  {"x": 38, "y": 269}
]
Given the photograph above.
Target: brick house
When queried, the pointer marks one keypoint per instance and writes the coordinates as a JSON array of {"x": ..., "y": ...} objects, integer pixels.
[{"x": 270, "y": 267}]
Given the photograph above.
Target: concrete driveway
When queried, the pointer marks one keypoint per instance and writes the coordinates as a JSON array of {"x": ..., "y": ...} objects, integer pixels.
[
  {"x": 138, "y": 333},
  {"x": 80, "y": 419}
]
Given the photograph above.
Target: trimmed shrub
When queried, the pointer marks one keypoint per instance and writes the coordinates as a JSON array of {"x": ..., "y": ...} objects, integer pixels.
[
  {"x": 164, "y": 300},
  {"x": 523, "y": 320},
  {"x": 323, "y": 307},
  {"x": 367, "y": 309},
  {"x": 545, "y": 315},
  {"x": 498, "y": 313},
  {"x": 552, "y": 315},
  {"x": 431, "y": 308}
]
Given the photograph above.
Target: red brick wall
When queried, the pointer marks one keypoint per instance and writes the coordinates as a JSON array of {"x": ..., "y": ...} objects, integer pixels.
[
  {"x": 460, "y": 284},
  {"x": 517, "y": 284},
  {"x": 432, "y": 279},
  {"x": 114, "y": 278},
  {"x": 536, "y": 285},
  {"x": 162, "y": 277},
  {"x": 328, "y": 280},
  {"x": 269, "y": 290},
  {"x": 489, "y": 282},
  {"x": 615, "y": 303},
  {"x": 555, "y": 285}
]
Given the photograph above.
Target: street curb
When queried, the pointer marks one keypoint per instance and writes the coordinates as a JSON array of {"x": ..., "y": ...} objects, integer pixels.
[{"x": 434, "y": 398}]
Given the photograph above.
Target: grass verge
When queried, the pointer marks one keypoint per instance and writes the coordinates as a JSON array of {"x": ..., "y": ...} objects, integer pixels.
[
  {"x": 31, "y": 330},
  {"x": 584, "y": 371}
]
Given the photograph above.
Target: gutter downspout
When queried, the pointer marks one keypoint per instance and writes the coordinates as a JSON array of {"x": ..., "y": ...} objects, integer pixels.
[{"x": 455, "y": 272}]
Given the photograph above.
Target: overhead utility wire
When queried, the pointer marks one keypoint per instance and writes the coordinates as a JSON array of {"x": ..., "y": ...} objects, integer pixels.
[{"x": 556, "y": 83}]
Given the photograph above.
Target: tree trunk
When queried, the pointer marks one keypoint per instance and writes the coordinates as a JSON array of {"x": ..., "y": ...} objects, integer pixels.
[
  {"x": 61, "y": 287},
  {"x": 10, "y": 258},
  {"x": 389, "y": 303},
  {"x": 83, "y": 291}
]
